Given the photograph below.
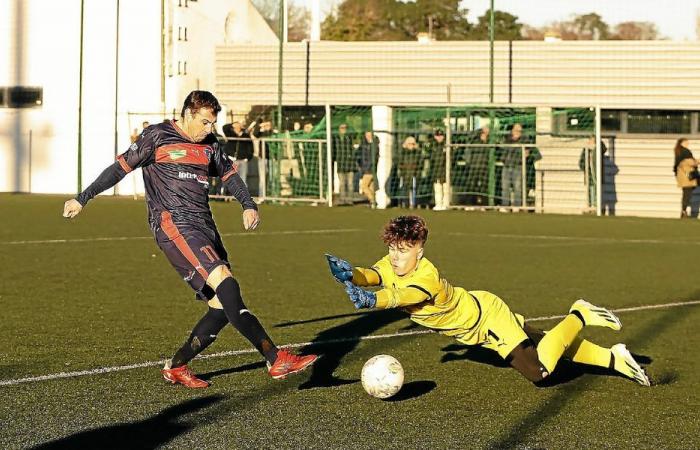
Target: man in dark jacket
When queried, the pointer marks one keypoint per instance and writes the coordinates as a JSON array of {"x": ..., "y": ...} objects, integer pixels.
[
  {"x": 344, "y": 156},
  {"x": 239, "y": 146},
  {"x": 368, "y": 156},
  {"x": 438, "y": 170}
]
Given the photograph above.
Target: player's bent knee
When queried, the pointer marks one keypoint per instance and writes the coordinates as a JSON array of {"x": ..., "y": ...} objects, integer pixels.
[
  {"x": 219, "y": 274},
  {"x": 215, "y": 303}
]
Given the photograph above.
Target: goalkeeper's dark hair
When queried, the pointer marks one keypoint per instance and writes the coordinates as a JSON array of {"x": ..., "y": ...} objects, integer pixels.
[
  {"x": 405, "y": 229},
  {"x": 197, "y": 100}
]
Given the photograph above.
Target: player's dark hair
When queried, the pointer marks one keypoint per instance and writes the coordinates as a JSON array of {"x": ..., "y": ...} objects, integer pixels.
[
  {"x": 198, "y": 100},
  {"x": 405, "y": 229}
]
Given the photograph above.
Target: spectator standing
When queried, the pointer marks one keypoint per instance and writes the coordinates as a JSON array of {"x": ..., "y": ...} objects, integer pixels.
[
  {"x": 685, "y": 167},
  {"x": 409, "y": 169},
  {"x": 478, "y": 161},
  {"x": 512, "y": 174},
  {"x": 343, "y": 154},
  {"x": 239, "y": 146},
  {"x": 438, "y": 168},
  {"x": 368, "y": 158}
]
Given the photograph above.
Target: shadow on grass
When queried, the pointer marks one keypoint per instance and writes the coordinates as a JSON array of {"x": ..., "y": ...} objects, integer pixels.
[
  {"x": 148, "y": 433},
  {"x": 414, "y": 389},
  {"x": 565, "y": 372},
  {"x": 343, "y": 339},
  {"x": 252, "y": 366},
  {"x": 320, "y": 319},
  {"x": 552, "y": 407}
]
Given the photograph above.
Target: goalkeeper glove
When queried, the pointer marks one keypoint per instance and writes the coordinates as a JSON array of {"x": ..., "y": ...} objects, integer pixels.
[
  {"x": 341, "y": 269},
  {"x": 360, "y": 297}
]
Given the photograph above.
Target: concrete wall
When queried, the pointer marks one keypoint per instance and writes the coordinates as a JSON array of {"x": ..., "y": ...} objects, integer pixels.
[
  {"x": 40, "y": 43},
  {"x": 614, "y": 74}
]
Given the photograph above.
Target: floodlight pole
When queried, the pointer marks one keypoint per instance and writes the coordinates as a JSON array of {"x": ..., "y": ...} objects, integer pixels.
[
  {"x": 491, "y": 35},
  {"x": 116, "y": 95},
  {"x": 80, "y": 100}
]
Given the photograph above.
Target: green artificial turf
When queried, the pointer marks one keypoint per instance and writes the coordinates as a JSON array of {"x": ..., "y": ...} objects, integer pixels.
[{"x": 71, "y": 301}]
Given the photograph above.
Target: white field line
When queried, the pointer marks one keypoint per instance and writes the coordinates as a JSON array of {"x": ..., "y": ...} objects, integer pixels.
[
  {"x": 101, "y": 370},
  {"x": 131, "y": 238},
  {"x": 569, "y": 238}
]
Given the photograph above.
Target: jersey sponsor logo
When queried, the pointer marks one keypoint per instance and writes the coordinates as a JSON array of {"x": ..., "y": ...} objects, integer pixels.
[
  {"x": 182, "y": 154},
  {"x": 177, "y": 154},
  {"x": 201, "y": 179}
]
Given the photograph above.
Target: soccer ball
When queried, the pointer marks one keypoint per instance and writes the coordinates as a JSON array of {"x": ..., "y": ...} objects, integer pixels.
[{"x": 382, "y": 376}]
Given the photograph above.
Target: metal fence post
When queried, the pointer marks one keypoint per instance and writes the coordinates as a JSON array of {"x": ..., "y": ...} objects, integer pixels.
[
  {"x": 598, "y": 164},
  {"x": 448, "y": 161},
  {"x": 320, "y": 170},
  {"x": 329, "y": 159}
]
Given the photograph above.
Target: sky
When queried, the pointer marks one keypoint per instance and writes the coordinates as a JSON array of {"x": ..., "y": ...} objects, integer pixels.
[{"x": 675, "y": 19}]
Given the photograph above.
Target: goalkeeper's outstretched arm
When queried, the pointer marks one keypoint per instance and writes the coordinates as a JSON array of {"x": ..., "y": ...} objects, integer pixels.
[{"x": 365, "y": 277}]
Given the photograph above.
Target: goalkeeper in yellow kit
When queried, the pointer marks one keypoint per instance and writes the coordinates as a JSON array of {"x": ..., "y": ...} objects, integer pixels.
[{"x": 410, "y": 282}]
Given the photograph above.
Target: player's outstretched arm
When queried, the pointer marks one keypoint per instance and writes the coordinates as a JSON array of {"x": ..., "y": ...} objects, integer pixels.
[
  {"x": 251, "y": 219},
  {"x": 343, "y": 271},
  {"x": 72, "y": 208},
  {"x": 340, "y": 269},
  {"x": 107, "y": 179},
  {"x": 360, "y": 297}
]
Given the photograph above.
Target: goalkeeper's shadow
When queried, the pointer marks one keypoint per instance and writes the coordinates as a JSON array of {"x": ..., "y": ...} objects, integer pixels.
[{"x": 336, "y": 342}]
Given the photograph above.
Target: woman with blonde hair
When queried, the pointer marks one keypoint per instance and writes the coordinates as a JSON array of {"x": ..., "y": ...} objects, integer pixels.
[{"x": 686, "y": 169}]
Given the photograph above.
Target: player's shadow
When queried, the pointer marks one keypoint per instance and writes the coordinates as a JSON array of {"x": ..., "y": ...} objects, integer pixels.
[
  {"x": 560, "y": 398},
  {"x": 153, "y": 432},
  {"x": 565, "y": 372},
  {"x": 213, "y": 374},
  {"x": 336, "y": 342},
  {"x": 414, "y": 389},
  {"x": 321, "y": 319}
]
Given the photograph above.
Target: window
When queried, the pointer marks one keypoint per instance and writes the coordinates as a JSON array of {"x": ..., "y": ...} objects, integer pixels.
[
  {"x": 179, "y": 33},
  {"x": 632, "y": 121},
  {"x": 658, "y": 121},
  {"x": 577, "y": 121},
  {"x": 2, "y": 97},
  {"x": 22, "y": 97},
  {"x": 185, "y": 33},
  {"x": 611, "y": 120},
  {"x": 184, "y": 70}
]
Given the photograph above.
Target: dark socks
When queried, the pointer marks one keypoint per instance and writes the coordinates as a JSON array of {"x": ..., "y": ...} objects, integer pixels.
[
  {"x": 229, "y": 294},
  {"x": 203, "y": 334}
]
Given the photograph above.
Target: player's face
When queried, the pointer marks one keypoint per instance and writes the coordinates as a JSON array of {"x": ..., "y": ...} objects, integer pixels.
[
  {"x": 200, "y": 124},
  {"x": 404, "y": 257}
]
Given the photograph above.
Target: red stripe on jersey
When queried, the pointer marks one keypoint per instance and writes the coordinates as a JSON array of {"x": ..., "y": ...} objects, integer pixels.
[
  {"x": 122, "y": 162},
  {"x": 228, "y": 174},
  {"x": 182, "y": 154},
  {"x": 166, "y": 223}
]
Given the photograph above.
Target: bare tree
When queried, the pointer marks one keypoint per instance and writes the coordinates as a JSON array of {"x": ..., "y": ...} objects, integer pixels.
[{"x": 635, "y": 31}]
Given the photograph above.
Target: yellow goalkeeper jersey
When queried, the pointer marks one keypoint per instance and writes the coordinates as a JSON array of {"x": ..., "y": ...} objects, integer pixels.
[{"x": 430, "y": 300}]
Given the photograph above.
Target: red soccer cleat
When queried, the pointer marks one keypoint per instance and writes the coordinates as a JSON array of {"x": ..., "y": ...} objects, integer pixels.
[
  {"x": 184, "y": 376},
  {"x": 289, "y": 363}
]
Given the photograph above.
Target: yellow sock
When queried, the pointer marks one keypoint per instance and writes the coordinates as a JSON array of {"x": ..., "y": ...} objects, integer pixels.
[
  {"x": 557, "y": 340},
  {"x": 586, "y": 352}
]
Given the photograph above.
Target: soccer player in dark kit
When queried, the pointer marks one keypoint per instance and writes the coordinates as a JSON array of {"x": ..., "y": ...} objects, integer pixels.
[{"x": 177, "y": 159}]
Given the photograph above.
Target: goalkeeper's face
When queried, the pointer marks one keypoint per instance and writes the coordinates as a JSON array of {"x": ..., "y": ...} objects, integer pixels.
[{"x": 404, "y": 257}]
